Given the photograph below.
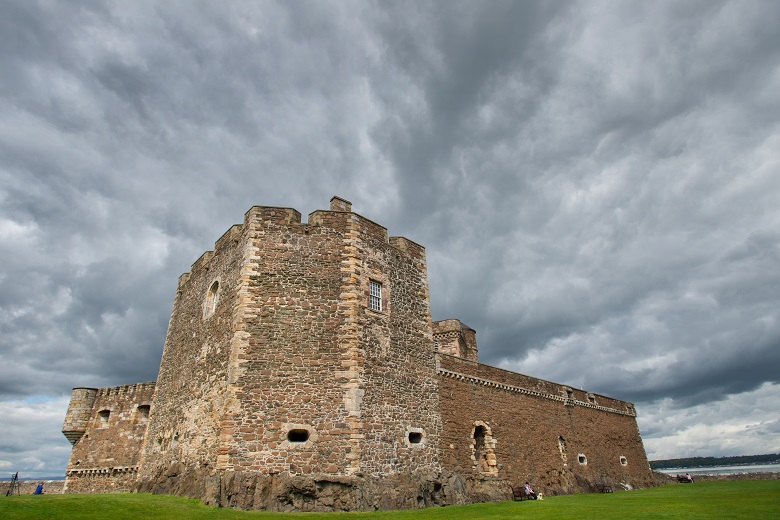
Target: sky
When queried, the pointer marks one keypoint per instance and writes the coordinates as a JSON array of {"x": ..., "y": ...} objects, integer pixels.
[{"x": 596, "y": 184}]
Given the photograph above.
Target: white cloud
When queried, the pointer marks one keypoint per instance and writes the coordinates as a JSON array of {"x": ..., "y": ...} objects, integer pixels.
[
  {"x": 32, "y": 443},
  {"x": 595, "y": 185},
  {"x": 741, "y": 424}
]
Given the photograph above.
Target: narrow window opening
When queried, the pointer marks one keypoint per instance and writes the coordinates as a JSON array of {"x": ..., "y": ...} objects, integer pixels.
[
  {"x": 375, "y": 296},
  {"x": 591, "y": 399},
  {"x": 480, "y": 453},
  {"x": 569, "y": 394},
  {"x": 142, "y": 413},
  {"x": 415, "y": 437},
  {"x": 298, "y": 435},
  {"x": 623, "y": 461},
  {"x": 175, "y": 440},
  {"x": 211, "y": 299},
  {"x": 562, "y": 448},
  {"x": 483, "y": 446},
  {"x": 104, "y": 415},
  {"x": 582, "y": 459}
]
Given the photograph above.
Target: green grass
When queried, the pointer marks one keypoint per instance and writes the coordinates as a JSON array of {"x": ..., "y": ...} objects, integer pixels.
[{"x": 743, "y": 499}]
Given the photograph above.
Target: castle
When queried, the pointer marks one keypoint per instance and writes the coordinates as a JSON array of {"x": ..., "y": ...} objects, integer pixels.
[{"x": 301, "y": 371}]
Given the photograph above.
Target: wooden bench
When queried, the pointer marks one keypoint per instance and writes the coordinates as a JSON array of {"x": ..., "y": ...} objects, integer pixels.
[
  {"x": 518, "y": 493},
  {"x": 604, "y": 488}
]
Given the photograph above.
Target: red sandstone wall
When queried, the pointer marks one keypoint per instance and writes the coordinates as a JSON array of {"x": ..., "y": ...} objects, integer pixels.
[
  {"x": 526, "y": 426},
  {"x": 399, "y": 375}
]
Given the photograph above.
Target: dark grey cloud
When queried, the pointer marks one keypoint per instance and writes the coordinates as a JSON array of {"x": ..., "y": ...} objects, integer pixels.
[{"x": 595, "y": 184}]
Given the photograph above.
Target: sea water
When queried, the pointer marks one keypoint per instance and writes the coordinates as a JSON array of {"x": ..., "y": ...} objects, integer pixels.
[{"x": 724, "y": 470}]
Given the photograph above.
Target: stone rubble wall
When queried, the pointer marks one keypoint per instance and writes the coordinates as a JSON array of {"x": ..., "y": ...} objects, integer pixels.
[
  {"x": 193, "y": 405},
  {"x": 536, "y": 432},
  {"x": 292, "y": 347},
  {"x": 107, "y": 456}
]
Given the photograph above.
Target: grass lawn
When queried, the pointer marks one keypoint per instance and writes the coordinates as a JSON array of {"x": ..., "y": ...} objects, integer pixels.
[{"x": 743, "y": 499}]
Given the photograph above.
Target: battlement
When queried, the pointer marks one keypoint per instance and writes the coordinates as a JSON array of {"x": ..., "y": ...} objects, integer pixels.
[
  {"x": 126, "y": 390},
  {"x": 84, "y": 403},
  {"x": 339, "y": 215}
]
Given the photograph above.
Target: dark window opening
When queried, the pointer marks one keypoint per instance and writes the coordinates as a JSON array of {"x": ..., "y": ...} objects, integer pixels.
[
  {"x": 143, "y": 411},
  {"x": 415, "y": 437},
  {"x": 211, "y": 299},
  {"x": 298, "y": 435},
  {"x": 623, "y": 461},
  {"x": 104, "y": 414},
  {"x": 480, "y": 454},
  {"x": 582, "y": 459},
  {"x": 562, "y": 448}
]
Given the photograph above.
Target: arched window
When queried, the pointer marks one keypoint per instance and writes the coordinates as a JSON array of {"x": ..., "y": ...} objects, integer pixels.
[
  {"x": 480, "y": 454},
  {"x": 211, "y": 299},
  {"x": 483, "y": 446}
]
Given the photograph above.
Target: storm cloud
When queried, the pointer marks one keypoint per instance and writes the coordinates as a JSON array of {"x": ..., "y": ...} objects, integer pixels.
[{"x": 596, "y": 185}]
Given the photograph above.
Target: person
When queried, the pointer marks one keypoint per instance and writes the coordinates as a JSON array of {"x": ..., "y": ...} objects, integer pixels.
[
  {"x": 39, "y": 489},
  {"x": 689, "y": 477},
  {"x": 529, "y": 490}
]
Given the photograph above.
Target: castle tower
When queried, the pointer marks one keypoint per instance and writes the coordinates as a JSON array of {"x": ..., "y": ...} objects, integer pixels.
[
  {"x": 79, "y": 413},
  {"x": 455, "y": 339},
  {"x": 299, "y": 370}
]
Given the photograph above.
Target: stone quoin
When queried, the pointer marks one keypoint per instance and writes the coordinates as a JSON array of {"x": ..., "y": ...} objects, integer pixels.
[{"x": 301, "y": 371}]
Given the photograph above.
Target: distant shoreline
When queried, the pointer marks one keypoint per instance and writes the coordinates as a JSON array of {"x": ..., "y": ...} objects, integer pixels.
[
  {"x": 707, "y": 462},
  {"x": 666, "y": 478}
]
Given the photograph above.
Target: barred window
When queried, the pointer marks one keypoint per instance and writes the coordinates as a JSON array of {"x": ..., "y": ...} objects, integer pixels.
[{"x": 375, "y": 296}]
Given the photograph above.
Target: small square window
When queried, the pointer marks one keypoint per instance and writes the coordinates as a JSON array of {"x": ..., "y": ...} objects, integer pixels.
[{"x": 375, "y": 296}]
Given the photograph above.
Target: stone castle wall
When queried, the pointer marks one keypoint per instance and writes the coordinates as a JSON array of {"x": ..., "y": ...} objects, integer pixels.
[
  {"x": 282, "y": 387},
  {"x": 194, "y": 405},
  {"x": 293, "y": 376},
  {"x": 563, "y": 440},
  {"x": 112, "y": 422}
]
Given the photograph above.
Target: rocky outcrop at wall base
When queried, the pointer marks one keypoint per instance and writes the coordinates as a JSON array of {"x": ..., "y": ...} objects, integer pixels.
[{"x": 284, "y": 492}]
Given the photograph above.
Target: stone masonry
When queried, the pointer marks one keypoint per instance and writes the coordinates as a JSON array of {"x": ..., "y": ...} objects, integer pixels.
[
  {"x": 302, "y": 371},
  {"x": 106, "y": 427}
]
